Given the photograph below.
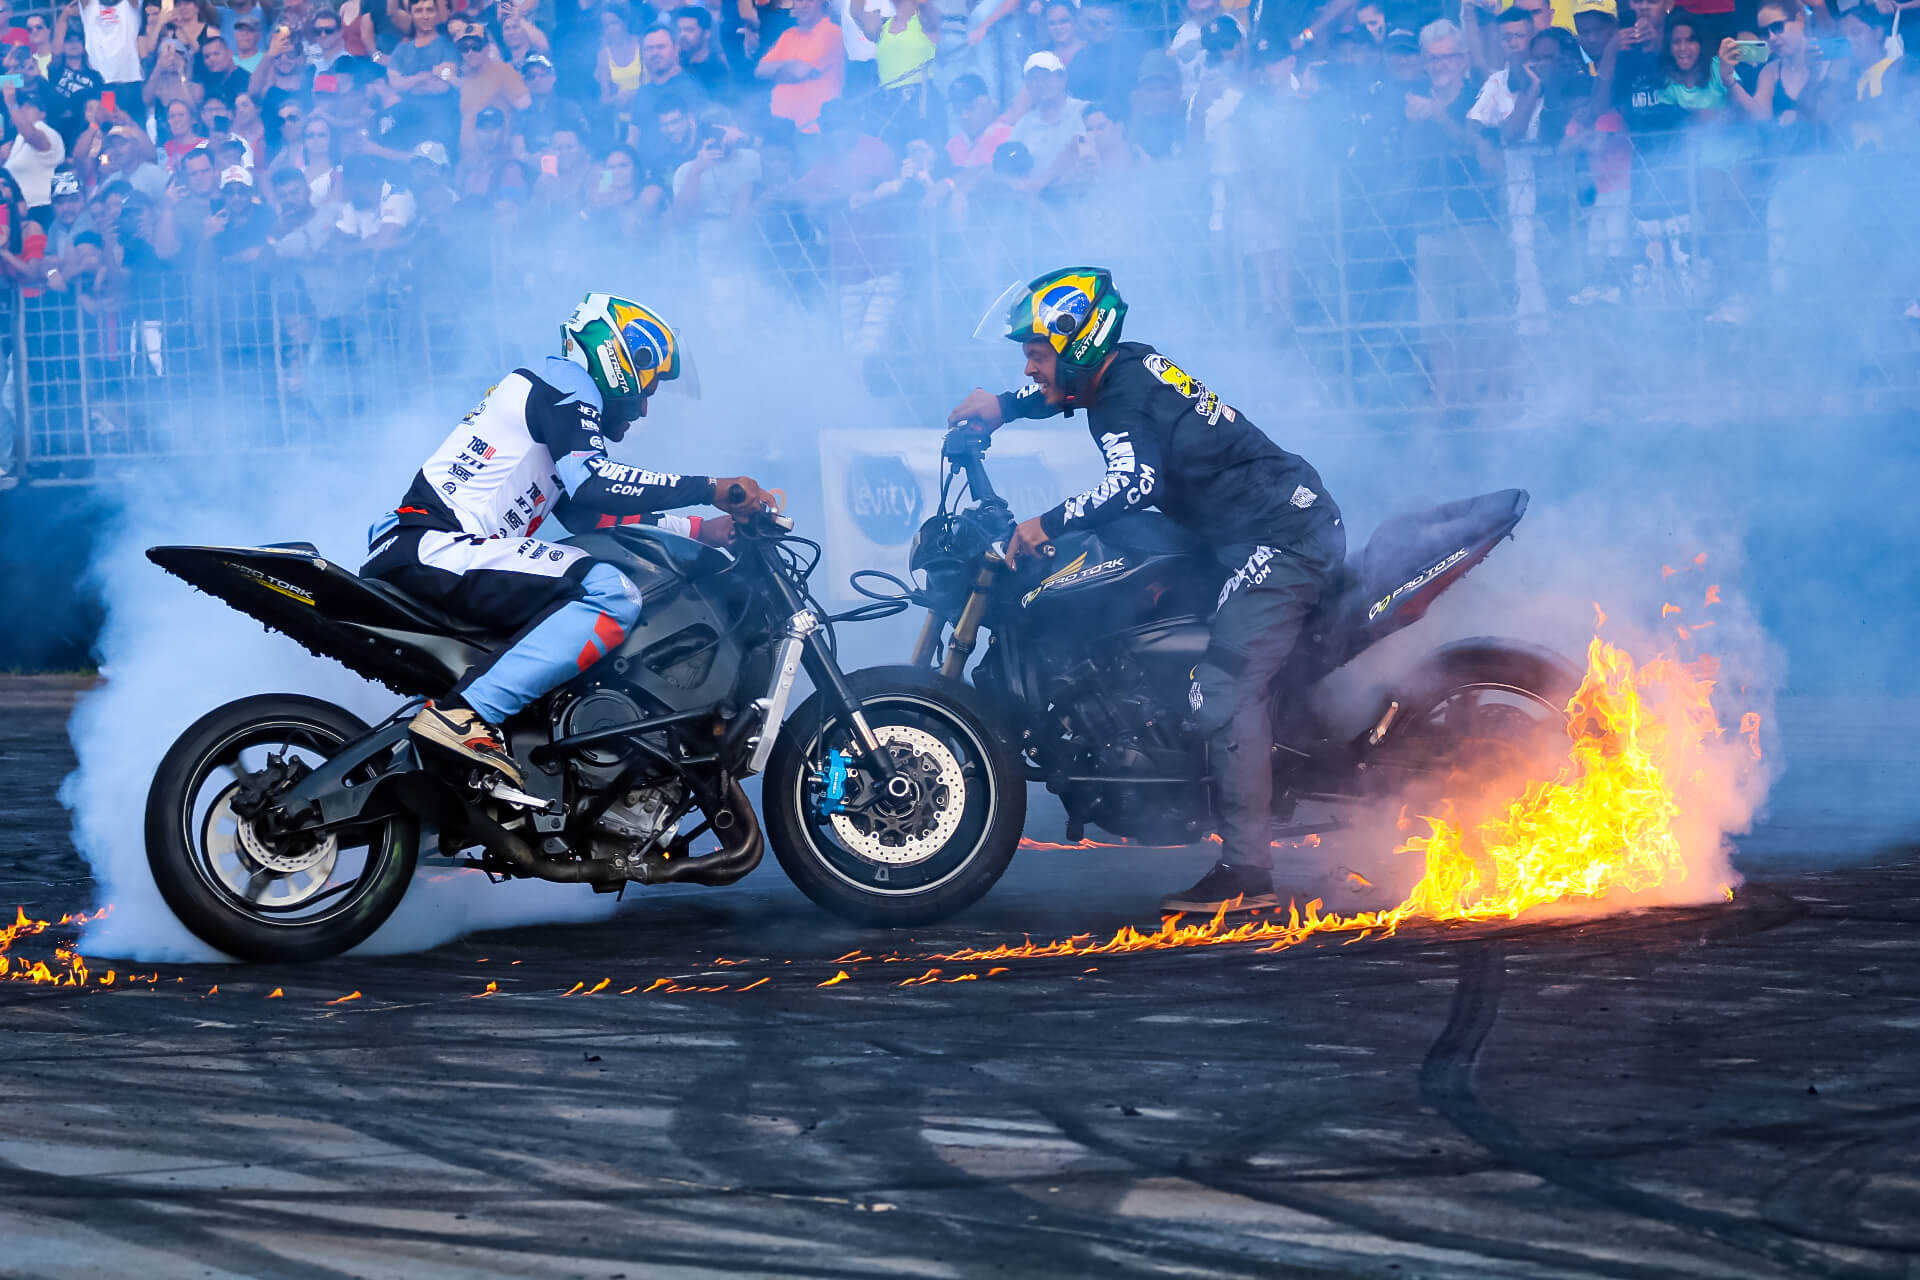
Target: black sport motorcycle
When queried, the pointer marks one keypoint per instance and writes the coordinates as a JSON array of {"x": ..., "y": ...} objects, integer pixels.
[
  {"x": 282, "y": 827},
  {"x": 1087, "y": 667}
]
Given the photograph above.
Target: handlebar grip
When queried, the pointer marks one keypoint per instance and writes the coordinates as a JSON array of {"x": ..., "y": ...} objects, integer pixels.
[{"x": 736, "y": 494}]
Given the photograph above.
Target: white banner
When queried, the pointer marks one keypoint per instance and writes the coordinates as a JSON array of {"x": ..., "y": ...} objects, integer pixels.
[{"x": 880, "y": 486}]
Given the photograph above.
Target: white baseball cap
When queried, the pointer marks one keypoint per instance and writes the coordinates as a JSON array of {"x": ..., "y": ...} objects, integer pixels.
[{"x": 1045, "y": 60}]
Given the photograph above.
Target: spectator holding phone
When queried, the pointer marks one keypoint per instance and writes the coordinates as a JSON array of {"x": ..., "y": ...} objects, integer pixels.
[
  {"x": 19, "y": 61},
  {"x": 112, "y": 149},
  {"x": 172, "y": 79},
  {"x": 191, "y": 19},
  {"x": 283, "y": 77},
  {"x": 1786, "y": 98},
  {"x": 563, "y": 172},
  {"x": 33, "y": 153},
  {"x": 520, "y": 37},
  {"x": 614, "y": 209}
]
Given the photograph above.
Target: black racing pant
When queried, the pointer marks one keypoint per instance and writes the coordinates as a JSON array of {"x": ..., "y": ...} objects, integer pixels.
[{"x": 1262, "y": 607}]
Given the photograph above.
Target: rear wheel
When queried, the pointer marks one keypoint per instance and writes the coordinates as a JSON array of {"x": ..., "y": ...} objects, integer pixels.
[
  {"x": 1477, "y": 720},
  {"x": 904, "y": 859},
  {"x": 239, "y": 886}
]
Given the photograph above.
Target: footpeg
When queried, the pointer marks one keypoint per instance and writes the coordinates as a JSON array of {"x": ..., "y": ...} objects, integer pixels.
[{"x": 500, "y": 789}]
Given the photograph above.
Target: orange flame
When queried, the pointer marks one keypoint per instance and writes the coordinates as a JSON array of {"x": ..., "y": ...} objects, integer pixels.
[
  {"x": 839, "y": 977},
  {"x": 1603, "y": 829},
  {"x": 351, "y": 995}
]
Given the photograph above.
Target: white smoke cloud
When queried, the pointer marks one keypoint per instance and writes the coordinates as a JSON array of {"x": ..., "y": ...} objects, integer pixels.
[{"x": 170, "y": 654}]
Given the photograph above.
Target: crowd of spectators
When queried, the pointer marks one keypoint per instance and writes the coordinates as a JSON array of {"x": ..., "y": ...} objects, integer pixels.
[{"x": 189, "y": 181}]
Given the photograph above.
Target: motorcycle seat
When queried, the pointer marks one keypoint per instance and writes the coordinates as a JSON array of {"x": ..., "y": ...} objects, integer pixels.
[{"x": 427, "y": 617}]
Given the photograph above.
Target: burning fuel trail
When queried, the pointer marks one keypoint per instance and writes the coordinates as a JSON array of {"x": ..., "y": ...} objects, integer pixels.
[{"x": 1635, "y": 816}]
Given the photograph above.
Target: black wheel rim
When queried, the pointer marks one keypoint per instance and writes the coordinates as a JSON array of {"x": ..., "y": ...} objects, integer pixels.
[
  {"x": 973, "y": 818},
  {"x": 229, "y": 861}
]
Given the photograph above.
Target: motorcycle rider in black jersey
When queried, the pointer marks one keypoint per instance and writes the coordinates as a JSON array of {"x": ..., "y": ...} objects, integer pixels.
[{"x": 1171, "y": 443}]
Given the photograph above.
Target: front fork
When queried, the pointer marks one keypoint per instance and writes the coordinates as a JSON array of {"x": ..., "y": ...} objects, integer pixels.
[{"x": 804, "y": 644}]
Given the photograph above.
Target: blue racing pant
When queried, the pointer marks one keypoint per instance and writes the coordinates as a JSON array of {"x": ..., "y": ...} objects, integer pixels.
[{"x": 564, "y": 609}]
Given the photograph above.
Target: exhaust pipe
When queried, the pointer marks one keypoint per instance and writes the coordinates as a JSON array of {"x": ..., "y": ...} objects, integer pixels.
[{"x": 741, "y": 845}]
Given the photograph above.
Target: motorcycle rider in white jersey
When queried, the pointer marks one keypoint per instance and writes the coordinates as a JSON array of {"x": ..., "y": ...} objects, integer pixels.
[{"x": 531, "y": 457}]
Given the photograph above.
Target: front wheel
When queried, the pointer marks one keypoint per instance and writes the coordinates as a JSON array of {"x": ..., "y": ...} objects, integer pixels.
[
  {"x": 229, "y": 878},
  {"x": 905, "y": 860}
]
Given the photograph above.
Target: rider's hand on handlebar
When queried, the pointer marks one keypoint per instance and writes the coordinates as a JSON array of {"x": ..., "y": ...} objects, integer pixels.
[
  {"x": 1029, "y": 541},
  {"x": 740, "y": 495},
  {"x": 981, "y": 408},
  {"x": 717, "y": 531}
]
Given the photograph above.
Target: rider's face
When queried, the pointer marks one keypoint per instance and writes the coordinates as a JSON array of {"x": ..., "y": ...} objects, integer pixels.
[{"x": 1043, "y": 366}]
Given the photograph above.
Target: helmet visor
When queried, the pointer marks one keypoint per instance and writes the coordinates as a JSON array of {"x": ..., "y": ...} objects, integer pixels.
[{"x": 994, "y": 325}]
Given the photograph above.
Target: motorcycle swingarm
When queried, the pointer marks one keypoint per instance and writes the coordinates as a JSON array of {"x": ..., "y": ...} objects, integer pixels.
[{"x": 327, "y": 789}]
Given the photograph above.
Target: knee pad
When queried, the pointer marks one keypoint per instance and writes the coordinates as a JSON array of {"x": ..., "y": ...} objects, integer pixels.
[{"x": 613, "y": 593}]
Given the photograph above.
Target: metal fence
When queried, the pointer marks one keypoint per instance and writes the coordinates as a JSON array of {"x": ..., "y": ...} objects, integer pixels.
[{"x": 1381, "y": 288}]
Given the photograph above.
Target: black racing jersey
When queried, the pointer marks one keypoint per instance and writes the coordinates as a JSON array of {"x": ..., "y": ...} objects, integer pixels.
[
  {"x": 1171, "y": 443},
  {"x": 529, "y": 452}
]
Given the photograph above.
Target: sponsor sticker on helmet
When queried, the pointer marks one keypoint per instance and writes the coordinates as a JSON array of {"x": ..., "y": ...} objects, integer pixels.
[{"x": 608, "y": 354}]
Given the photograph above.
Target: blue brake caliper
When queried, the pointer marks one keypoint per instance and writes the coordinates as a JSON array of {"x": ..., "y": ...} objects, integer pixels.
[{"x": 833, "y": 796}]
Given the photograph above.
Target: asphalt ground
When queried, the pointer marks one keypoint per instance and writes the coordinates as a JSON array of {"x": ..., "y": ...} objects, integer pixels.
[{"x": 1725, "y": 1091}]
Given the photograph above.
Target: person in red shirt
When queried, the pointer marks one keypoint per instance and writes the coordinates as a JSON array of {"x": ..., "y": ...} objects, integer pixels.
[
  {"x": 982, "y": 128},
  {"x": 807, "y": 65}
]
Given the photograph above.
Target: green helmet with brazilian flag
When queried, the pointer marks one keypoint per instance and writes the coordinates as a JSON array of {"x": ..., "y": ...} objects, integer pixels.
[
  {"x": 626, "y": 348},
  {"x": 1075, "y": 310}
]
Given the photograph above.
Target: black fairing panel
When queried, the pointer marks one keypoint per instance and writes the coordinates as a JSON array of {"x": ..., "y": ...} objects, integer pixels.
[
  {"x": 364, "y": 625},
  {"x": 689, "y": 648},
  {"x": 1137, "y": 569}
]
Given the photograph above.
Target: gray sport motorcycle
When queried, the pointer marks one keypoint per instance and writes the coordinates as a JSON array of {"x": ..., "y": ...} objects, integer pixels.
[{"x": 282, "y": 827}]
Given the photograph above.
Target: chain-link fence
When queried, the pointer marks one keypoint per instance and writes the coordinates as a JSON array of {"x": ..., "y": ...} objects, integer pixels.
[{"x": 1661, "y": 280}]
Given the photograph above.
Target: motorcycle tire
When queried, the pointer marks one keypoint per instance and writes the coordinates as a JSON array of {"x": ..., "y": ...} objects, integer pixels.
[
  {"x": 1517, "y": 672},
  {"x": 190, "y": 877},
  {"x": 937, "y": 729}
]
